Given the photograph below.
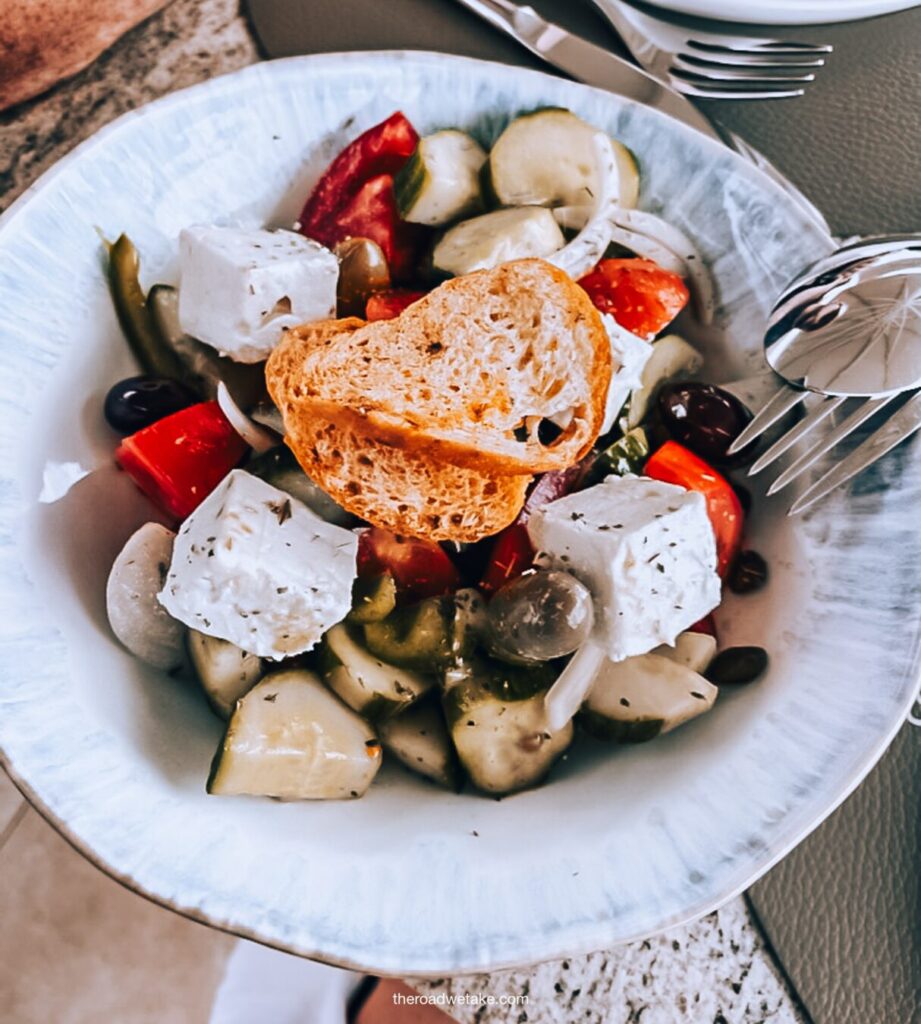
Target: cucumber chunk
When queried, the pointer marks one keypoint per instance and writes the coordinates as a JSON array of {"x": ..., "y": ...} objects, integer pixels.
[
  {"x": 291, "y": 738},
  {"x": 419, "y": 739},
  {"x": 368, "y": 685},
  {"x": 547, "y": 158},
  {"x": 280, "y": 468},
  {"x": 493, "y": 238},
  {"x": 441, "y": 180},
  {"x": 693, "y": 650},
  {"x": 225, "y": 671},
  {"x": 671, "y": 356},
  {"x": 642, "y": 697},
  {"x": 504, "y": 742}
]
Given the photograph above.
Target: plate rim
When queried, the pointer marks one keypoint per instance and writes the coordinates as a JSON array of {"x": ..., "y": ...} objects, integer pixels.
[
  {"x": 477, "y": 962},
  {"x": 786, "y": 12}
]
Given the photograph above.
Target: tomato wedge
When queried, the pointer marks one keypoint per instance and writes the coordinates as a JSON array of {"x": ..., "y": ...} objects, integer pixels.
[
  {"x": 179, "y": 460},
  {"x": 512, "y": 552},
  {"x": 674, "y": 464},
  {"x": 382, "y": 149},
  {"x": 420, "y": 568},
  {"x": 639, "y": 294},
  {"x": 389, "y": 304}
]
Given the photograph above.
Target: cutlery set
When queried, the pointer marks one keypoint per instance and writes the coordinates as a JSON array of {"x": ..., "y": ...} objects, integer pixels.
[{"x": 848, "y": 330}]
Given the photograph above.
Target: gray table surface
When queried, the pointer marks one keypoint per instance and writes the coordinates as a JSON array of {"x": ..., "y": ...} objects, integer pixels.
[{"x": 718, "y": 968}]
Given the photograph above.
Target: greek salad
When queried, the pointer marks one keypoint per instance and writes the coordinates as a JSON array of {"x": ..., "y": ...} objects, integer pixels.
[{"x": 327, "y": 638}]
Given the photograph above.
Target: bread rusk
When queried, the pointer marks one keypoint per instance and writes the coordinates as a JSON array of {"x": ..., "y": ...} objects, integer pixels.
[
  {"x": 466, "y": 374},
  {"x": 405, "y": 492}
]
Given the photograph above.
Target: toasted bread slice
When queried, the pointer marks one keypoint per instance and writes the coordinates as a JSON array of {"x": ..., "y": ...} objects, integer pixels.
[
  {"x": 401, "y": 491},
  {"x": 465, "y": 375}
]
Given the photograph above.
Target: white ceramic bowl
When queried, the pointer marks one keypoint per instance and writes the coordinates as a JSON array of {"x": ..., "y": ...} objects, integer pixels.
[{"x": 620, "y": 843}]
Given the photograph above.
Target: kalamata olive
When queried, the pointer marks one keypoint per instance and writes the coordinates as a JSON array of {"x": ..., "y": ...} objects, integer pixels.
[
  {"x": 702, "y": 417},
  {"x": 363, "y": 270},
  {"x": 737, "y": 665},
  {"x": 539, "y": 616},
  {"x": 137, "y": 402},
  {"x": 748, "y": 573}
]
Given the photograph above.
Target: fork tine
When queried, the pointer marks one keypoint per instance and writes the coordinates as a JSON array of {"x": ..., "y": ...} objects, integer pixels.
[
  {"x": 828, "y": 441},
  {"x": 703, "y": 91},
  {"x": 730, "y": 73},
  {"x": 898, "y": 428},
  {"x": 739, "y": 58},
  {"x": 777, "y": 407},
  {"x": 806, "y": 425},
  {"x": 770, "y": 47}
]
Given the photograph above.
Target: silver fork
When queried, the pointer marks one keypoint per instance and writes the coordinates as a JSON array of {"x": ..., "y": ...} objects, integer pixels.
[
  {"x": 850, "y": 327},
  {"x": 715, "y": 66}
]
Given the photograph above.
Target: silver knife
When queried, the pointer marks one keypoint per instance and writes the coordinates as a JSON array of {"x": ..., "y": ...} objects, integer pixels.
[
  {"x": 894, "y": 431},
  {"x": 593, "y": 65}
]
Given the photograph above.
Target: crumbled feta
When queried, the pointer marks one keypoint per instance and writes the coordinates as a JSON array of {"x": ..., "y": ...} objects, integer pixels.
[
  {"x": 254, "y": 566},
  {"x": 632, "y": 354},
  {"x": 240, "y": 288},
  {"x": 645, "y": 550}
]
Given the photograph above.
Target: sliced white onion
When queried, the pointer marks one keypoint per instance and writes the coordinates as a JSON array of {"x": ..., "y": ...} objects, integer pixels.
[
  {"x": 647, "y": 228},
  {"x": 258, "y": 438},
  {"x": 572, "y": 686},
  {"x": 580, "y": 255}
]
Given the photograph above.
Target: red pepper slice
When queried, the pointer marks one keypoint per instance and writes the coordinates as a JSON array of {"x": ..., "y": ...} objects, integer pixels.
[
  {"x": 389, "y": 304},
  {"x": 179, "y": 460},
  {"x": 382, "y": 149},
  {"x": 674, "y": 464},
  {"x": 420, "y": 568},
  {"x": 512, "y": 552},
  {"x": 639, "y": 294}
]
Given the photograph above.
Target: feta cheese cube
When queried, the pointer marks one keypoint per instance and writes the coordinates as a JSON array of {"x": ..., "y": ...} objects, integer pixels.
[
  {"x": 645, "y": 550},
  {"x": 240, "y": 288},
  {"x": 632, "y": 354},
  {"x": 254, "y": 566}
]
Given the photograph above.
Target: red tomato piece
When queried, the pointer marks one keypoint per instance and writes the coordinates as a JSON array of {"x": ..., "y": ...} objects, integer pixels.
[
  {"x": 382, "y": 149},
  {"x": 675, "y": 464},
  {"x": 389, "y": 304},
  {"x": 420, "y": 568},
  {"x": 706, "y": 625},
  {"x": 510, "y": 556},
  {"x": 639, "y": 294},
  {"x": 179, "y": 460},
  {"x": 372, "y": 213}
]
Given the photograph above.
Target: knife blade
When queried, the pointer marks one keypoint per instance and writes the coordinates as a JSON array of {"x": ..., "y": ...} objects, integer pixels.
[
  {"x": 586, "y": 62},
  {"x": 894, "y": 431},
  {"x": 593, "y": 65}
]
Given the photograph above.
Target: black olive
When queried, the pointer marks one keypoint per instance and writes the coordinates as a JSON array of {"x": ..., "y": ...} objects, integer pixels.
[
  {"x": 737, "y": 665},
  {"x": 137, "y": 402},
  {"x": 703, "y": 417},
  {"x": 748, "y": 574}
]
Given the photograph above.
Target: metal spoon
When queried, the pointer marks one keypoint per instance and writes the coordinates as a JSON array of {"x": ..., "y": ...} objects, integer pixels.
[{"x": 849, "y": 327}]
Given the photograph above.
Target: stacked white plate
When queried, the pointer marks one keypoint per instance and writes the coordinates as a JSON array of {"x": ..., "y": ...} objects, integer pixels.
[{"x": 786, "y": 12}]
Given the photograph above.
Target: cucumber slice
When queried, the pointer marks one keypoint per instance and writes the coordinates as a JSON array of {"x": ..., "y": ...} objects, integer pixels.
[
  {"x": 291, "y": 738},
  {"x": 419, "y": 739},
  {"x": 493, "y": 238},
  {"x": 373, "y": 600},
  {"x": 637, "y": 699},
  {"x": 368, "y": 685},
  {"x": 671, "y": 356},
  {"x": 226, "y": 672},
  {"x": 505, "y": 744},
  {"x": 547, "y": 158},
  {"x": 693, "y": 650},
  {"x": 441, "y": 180},
  {"x": 135, "y": 614}
]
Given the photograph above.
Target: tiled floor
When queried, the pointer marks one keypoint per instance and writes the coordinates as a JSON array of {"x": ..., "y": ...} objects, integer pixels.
[{"x": 77, "y": 948}]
